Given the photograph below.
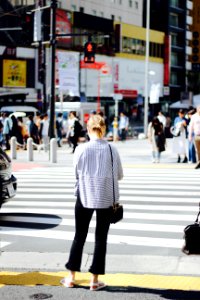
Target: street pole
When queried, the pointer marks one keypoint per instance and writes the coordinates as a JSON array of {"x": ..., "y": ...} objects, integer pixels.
[
  {"x": 53, "y": 54},
  {"x": 146, "y": 102}
]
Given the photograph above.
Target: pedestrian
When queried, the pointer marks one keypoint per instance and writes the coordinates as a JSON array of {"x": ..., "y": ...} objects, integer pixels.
[
  {"x": 94, "y": 191},
  {"x": 44, "y": 129},
  {"x": 123, "y": 126},
  {"x": 194, "y": 129},
  {"x": 1, "y": 134},
  {"x": 179, "y": 140},
  {"x": 59, "y": 128},
  {"x": 156, "y": 138},
  {"x": 162, "y": 119},
  {"x": 15, "y": 129},
  {"x": 168, "y": 125},
  {"x": 115, "y": 129},
  {"x": 75, "y": 130},
  {"x": 191, "y": 145},
  {"x": 7, "y": 127},
  {"x": 33, "y": 130}
]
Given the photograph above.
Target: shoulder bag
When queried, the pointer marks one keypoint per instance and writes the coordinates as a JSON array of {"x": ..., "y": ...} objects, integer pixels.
[
  {"x": 192, "y": 237},
  {"x": 116, "y": 208}
]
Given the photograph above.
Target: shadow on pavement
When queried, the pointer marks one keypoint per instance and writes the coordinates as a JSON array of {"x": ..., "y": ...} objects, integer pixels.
[
  {"x": 162, "y": 294},
  {"x": 29, "y": 220}
]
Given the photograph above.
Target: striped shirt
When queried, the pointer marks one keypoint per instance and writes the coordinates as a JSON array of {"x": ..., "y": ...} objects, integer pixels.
[{"x": 93, "y": 170}]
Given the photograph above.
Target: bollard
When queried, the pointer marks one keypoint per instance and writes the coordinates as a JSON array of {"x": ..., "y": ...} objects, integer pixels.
[
  {"x": 13, "y": 147},
  {"x": 53, "y": 150},
  {"x": 30, "y": 149}
]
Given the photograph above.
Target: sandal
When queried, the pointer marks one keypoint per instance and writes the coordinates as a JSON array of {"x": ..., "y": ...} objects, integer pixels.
[
  {"x": 67, "y": 282},
  {"x": 95, "y": 286}
]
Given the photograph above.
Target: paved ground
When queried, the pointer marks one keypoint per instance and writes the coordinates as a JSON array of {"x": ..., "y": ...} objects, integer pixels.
[{"x": 19, "y": 271}]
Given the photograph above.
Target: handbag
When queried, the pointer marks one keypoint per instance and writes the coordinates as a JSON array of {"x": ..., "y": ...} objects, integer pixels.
[
  {"x": 116, "y": 209},
  {"x": 192, "y": 237},
  {"x": 175, "y": 131}
]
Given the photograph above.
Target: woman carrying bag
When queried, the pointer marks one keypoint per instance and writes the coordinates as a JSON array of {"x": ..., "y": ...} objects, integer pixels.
[{"x": 94, "y": 191}]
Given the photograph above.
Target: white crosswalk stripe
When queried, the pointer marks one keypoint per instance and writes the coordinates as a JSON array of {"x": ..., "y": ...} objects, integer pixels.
[{"x": 158, "y": 205}]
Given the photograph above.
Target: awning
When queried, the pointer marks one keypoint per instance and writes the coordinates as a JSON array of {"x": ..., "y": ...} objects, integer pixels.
[{"x": 184, "y": 104}]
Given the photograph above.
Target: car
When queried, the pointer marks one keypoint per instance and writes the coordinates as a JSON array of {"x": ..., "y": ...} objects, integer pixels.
[{"x": 8, "y": 182}]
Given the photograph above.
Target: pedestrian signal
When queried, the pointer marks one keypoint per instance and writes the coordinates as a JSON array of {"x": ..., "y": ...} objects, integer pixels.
[{"x": 89, "y": 52}]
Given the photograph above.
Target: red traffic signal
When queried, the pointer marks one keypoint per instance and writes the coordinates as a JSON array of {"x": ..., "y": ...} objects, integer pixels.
[{"x": 89, "y": 52}]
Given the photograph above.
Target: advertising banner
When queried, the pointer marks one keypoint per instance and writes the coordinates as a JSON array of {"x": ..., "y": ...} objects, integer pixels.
[
  {"x": 68, "y": 72},
  {"x": 14, "y": 73}
]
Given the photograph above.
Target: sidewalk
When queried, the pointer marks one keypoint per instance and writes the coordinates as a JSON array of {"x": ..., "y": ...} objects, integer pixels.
[{"x": 132, "y": 152}]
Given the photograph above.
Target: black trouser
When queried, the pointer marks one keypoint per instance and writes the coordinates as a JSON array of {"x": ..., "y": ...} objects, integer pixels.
[
  {"x": 82, "y": 218},
  {"x": 7, "y": 140},
  {"x": 74, "y": 141}
]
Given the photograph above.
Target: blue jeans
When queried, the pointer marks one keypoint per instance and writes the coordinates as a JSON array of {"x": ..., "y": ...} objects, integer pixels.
[
  {"x": 192, "y": 152},
  {"x": 83, "y": 217}
]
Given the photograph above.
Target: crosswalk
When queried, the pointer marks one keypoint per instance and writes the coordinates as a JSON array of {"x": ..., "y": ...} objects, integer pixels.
[{"x": 158, "y": 204}]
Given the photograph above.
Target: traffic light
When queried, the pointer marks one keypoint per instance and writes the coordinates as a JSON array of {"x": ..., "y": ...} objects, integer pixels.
[
  {"x": 27, "y": 28},
  {"x": 89, "y": 52}
]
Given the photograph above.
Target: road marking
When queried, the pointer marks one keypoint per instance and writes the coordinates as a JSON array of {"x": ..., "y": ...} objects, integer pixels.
[
  {"x": 112, "y": 239},
  {"x": 3, "y": 244}
]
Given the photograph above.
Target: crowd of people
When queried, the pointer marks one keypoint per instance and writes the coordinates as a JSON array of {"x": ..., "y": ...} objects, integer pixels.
[
  {"x": 185, "y": 130},
  {"x": 37, "y": 127}
]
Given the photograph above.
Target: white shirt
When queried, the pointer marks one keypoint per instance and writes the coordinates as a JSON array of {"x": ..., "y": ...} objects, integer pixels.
[
  {"x": 45, "y": 128},
  {"x": 194, "y": 125},
  {"x": 93, "y": 169},
  {"x": 162, "y": 119}
]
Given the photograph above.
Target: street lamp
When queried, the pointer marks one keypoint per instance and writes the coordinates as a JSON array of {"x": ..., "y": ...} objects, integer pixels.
[{"x": 146, "y": 103}]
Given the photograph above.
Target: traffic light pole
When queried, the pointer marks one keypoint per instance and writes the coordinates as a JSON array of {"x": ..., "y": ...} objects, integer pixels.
[{"x": 53, "y": 55}]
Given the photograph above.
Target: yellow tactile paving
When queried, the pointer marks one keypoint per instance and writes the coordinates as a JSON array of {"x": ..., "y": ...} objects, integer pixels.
[{"x": 123, "y": 280}]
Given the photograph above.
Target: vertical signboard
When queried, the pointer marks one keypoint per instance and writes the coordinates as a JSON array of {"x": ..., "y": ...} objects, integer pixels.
[
  {"x": 68, "y": 72},
  {"x": 167, "y": 52},
  {"x": 14, "y": 73},
  {"x": 63, "y": 26}
]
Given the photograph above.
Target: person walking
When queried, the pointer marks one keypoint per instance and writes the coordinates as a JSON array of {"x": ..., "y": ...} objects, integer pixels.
[
  {"x": 179, "y": 141},
  {"x": 115, "y": 129},
  {"x": 7, "y": 127},
  {"x": 33, "y": 130},
  {"x": 75, "y": 130},
  {"x": 94, "y": 191},
  {"x": 123, "y": 126},
  {"x": 194, "y": 133},
  {"x": 59, "y": 128},
  {"x": 162, "y": 118},
  {"x": 191, "y": 145},
  {"x": 157, "y": 139},
  {"x": 44, "y": 128}
]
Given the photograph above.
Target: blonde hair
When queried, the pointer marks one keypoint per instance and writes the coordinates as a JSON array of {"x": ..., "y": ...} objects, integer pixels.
[{"x": 97, "y": 125}]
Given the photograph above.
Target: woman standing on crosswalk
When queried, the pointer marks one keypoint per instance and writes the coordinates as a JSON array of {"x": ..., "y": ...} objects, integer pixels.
[{"x": 94, "y": 191}]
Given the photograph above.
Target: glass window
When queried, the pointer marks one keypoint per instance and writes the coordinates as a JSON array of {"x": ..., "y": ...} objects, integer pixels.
[
  {"x": 174, "y": 3},
  {"x": 174, "y": 19},
  {"x": 130, "y": 3},
  {"x": 174, "y": 78},
  {"x": 174, "y": 59},
  {"x": 94, "y": 12},
  {"x": 174, "y": 38},
  {"x": 136, "y": 5}
]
